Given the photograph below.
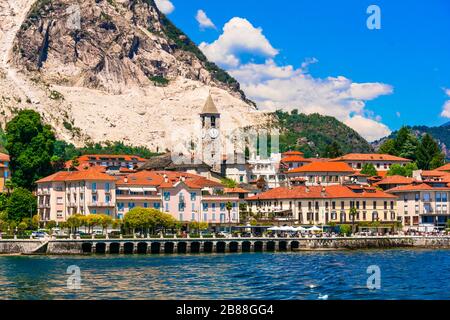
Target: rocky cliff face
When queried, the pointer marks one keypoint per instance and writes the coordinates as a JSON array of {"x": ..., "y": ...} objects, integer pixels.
[{"x": 110, "y": 70}]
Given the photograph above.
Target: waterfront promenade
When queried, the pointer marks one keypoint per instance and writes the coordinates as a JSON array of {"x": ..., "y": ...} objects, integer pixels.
[{"x": 214, "y": 245}]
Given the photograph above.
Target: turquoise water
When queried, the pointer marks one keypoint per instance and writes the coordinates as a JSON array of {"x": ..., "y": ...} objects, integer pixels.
[{"x": 405, "y": 274}]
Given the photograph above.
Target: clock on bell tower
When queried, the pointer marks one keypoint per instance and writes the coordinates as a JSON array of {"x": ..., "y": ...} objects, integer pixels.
[{"x": 211, "y": 146}]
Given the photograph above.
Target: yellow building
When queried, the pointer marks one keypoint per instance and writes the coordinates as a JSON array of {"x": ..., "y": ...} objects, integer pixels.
[{"x": 4, "y": 171}]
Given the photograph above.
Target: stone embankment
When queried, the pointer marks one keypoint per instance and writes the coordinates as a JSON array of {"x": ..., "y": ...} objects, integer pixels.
[{"x": 213, "y": 245}]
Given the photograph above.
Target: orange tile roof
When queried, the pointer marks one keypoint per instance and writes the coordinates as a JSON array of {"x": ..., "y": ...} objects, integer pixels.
[
  {"x": 323, "y": 167},
  {"x": 417, "y": 187},
  {"x": 315, "y": 192},
  {"x": 110, "y": 157},
  {"x": 235, "y": 190},
  {"x": 395, "y": 180},
  {"x": 85, "y": 175},
  {"x": 292, "y": 153},
  {"x": 382, "y": 173},
  {"x": 4, "y": 157},
  {"x": 156, "y": 179},
  {"x": 295, "y": 159},
  {"x": 445, "y": 167},
  {"x": 433, "y": 173},
  {"x": 370, "y": 157}
]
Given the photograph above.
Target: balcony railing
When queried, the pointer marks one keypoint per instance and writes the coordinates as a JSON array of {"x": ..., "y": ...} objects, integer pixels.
[{"x": 101, "y": 204}]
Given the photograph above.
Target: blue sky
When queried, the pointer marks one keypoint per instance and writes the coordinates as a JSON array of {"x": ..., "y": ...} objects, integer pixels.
[{"x": 320, "y": 56}]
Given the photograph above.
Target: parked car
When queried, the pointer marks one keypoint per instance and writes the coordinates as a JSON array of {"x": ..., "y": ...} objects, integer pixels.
[{"x": 39, "y": 234}]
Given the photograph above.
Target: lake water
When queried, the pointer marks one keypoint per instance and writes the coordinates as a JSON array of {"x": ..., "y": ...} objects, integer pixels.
[{"x": 405, "y": 274}]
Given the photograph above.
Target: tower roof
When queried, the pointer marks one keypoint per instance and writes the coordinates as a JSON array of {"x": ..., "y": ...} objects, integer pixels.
[{"x": 210, "y": 107}]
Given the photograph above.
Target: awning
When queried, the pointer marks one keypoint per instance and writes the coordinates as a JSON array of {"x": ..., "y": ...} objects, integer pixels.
[
  {"x": 137, "y": 190},
  {"x": 152, "y": 189},
  {"x": 123, "y": 188}
]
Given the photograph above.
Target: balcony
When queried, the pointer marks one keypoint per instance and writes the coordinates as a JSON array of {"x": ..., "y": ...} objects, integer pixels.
[
  {"x": 44, "y": 205},
  {"x": 101, "y": 204}
]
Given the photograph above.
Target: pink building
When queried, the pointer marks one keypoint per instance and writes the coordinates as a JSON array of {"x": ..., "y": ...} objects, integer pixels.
[
  {"x": 70, "y": 192},
  {"x": 187, "y": 197}
]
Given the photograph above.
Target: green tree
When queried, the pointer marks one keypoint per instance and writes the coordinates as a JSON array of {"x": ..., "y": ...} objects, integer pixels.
[
  {"x": 369, "y": 169},
  {"x": 397, "y": 170},
  {"x": 437, "y": 161},
  {"x": 229, "y": 206},
  {"x": 22, "y": 227},
  {"x": 74, "y": 222},
  {"x": 388, "y": 147},
  {"x": 229, "y": 183},
  {"x": 21, "y": 204},
  {"x": 353, "y": 213},
  {"x": 30, "y": 145},
  {"x": 333, "y": 150},
  {"x": 428, "y": 153}
]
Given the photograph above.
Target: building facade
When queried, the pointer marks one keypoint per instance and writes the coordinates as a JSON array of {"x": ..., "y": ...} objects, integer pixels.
[
  {"x": 5, "y": 174},
  {"x": 423, "y": 204},
  {"x": 185, "y": 196},
  {"x": 325, "y": 205},
  {"x": 381, "y": 162},
  {"x": 67, "y": 193},
  {"x": 322, "y": 173}
]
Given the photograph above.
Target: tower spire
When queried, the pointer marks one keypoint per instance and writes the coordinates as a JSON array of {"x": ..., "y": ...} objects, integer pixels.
[{"x": 210, "y": 107}]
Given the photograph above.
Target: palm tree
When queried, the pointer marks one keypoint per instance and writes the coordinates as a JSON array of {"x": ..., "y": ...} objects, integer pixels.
[
  {"x": 9, "y": 185},
  {"x": 229, "y": 206},
  {"x": 353, "y": 213}
]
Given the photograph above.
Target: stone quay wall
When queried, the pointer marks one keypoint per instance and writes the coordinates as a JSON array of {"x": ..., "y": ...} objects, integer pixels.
[{"x": 213, "y": 245}]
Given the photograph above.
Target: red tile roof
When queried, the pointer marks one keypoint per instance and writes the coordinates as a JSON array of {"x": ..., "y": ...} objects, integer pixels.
[
  {"x": 445, "y": 167},
  {"x": 157, "y": 179},
  {"x": 323, "y": 167},
  {"x": 370, "y": 157},
  {"x": 292, "y": 153},
  {"x": 235, "y": 190},
  {"x": 289, "y": 159},
  {"x": 395, "y": 180},
  {"x": 110, "y": 157},
  {"x": 314, "y": 192},
  {"x": 85, "y": 175},
  {"x": 4, "y": 157},
  {"x": 417, "y": 187}
]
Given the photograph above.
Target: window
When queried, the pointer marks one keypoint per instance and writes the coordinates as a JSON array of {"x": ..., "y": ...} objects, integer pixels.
[
  {"x": 131, "y": 205},
  {"x": 374, "y": 205},
  {"x": 166, "y": 196},
  {"x": 364, "y": 205},
  {"x": 94, "y": 186},
  {"x": 94, "y": 211},
  {"x": 107, "y": 187},
  {"x": 157, "y": 205},
  {"x": 59, "y": 200},
  {"x": 385, "y": 205},
  {"x": 181, "y": 206},
  {"x": 438, "y": 197},
  {"x": 392, "y": 205},
  {"x": 222, "y": 206},
  {"x": 417, "y": 197},
  {"x": 213, "y": 206},
  {"x": 193, "y": 196},
  {"x": 333, "y": 205},
  {"x": 108, "y": 212},
  {"x": 342, "y": 205},
  {"x": 205, "y": 217},
  {"x": 59, "y": 214},
  {"x": 94, "y": 198},
  {"x": 145, "y": 205},
  {"x": 426, "y": 196},
  {"x": 205, "y": 207},
  {"x": 107, "y": 198},
  {"x": 167, "y": 207},
  {"x": 120, "y": 206},
  {"x": 193, "y": 216}
]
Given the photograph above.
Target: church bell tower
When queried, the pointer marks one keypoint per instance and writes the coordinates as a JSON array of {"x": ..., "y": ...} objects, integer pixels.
[{"x": 211, "y": 145}]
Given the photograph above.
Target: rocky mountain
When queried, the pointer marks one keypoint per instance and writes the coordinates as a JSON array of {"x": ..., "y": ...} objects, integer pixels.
[
  {"x": 440, "y": 133},
  {"x": 114, "y": 70}
]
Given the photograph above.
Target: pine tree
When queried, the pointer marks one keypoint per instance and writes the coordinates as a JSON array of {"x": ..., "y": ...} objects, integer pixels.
[{"x": 428, "y": 153}]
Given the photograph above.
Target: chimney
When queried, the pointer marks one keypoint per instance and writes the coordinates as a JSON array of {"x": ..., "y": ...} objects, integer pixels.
[
  {"x": 183, "y": 178},
  {"x": 166, "y": 179},
  {"x": 323, "y": 192},
  {"x": 307, "y": 189},
  {"x": 125, "y": 179}
]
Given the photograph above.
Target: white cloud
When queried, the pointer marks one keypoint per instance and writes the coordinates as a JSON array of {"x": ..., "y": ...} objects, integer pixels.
[
  {"x": 239, "y": 36},
  {"x": 370, "y": 129},
  {"x": 446, "y": 108},
  {"x": 203, "y": 20},
  {"x": 273, "y": 86},
  {"x": 165, "y": 6}
]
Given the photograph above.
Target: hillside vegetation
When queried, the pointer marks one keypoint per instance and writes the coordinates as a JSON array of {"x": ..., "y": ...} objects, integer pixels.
[{"x": 318, "y": 135}]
